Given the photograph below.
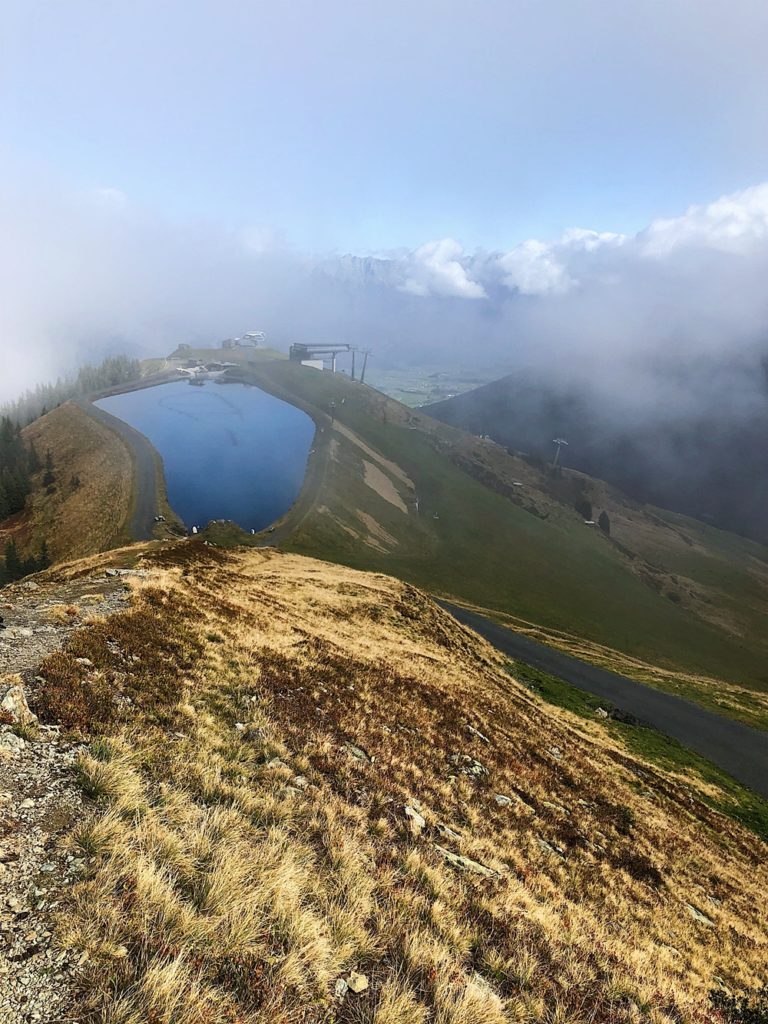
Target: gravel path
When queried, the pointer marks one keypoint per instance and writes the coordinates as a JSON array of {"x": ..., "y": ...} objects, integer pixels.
[
  {"x": 40, "y": 800},
  {"x": 145, "y": 494}
]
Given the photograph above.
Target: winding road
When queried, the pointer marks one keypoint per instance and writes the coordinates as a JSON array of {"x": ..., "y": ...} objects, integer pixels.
[
  {"x": 737, "y": 748},
  {"x": 145, "y": 494}
]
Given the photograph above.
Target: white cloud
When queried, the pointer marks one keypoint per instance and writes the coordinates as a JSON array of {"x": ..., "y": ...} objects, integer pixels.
[
  {"x": 83, "y": 271},
  {"x": 436, "y": 269},
  {"x": 551, "y": 268},
  {"x": 733, "y": 223},
  {"x": 534, "y": 268},
  {"x": 110, "y": 198}
]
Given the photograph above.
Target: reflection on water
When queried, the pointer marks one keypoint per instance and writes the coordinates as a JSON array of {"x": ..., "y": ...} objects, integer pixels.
[{"x": 230, "y": 451}]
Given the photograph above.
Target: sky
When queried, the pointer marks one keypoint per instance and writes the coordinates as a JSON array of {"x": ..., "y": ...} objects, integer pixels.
[
  {"x": 540, "y": 180},
  {"x": 355, "y": 127}
]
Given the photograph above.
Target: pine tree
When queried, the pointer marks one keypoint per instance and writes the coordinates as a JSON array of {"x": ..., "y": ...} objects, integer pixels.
[
  {"x": 43, "y": 559},
  {"x": 584, "y": 507},
  {"x": 33, "y": 462},
  {"x": 49, "y": 477},
  {"x": 13, "y": 565},
  {"x": 604, "y": 523}
]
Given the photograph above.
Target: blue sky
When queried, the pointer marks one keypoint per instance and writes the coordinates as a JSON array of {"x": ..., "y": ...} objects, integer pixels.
[
  {"x": 554, "y": 182},
  {"x": 348, "y": 127}
]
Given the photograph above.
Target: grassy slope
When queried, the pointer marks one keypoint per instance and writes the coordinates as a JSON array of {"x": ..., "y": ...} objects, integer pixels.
[
  {"x": 240, "y": 857},
  {"x": 530, "y": 556},
  {"x": 715, "y": 786},
  {"x": 227, "y": 355},
  {"x": 75, "y": 521}
]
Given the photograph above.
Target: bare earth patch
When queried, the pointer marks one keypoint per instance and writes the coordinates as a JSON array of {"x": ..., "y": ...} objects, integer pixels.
[
  {"x": 381, "y": 483},
  {"x": 387, "y": 464},
  {"x": 378, "y": 537}
]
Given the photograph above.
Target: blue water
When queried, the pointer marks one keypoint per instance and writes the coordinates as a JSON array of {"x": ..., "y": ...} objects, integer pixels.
[{"x": 230, "y": 451}]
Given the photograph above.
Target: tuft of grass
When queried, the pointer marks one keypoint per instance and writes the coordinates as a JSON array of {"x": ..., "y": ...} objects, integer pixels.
[
  {"x": 248, "y": 847},
  {"x": 714, "y": 786},
  {"x": 64, "y": 614}
]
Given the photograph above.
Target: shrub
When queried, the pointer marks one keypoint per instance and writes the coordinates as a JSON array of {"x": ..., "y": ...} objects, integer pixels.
[
  {"x": 639, "y": 867},
  {"x": 71, "y": 697},
  {"x": 584, "y": 507},
  {"x": 750, "y": 1007}
]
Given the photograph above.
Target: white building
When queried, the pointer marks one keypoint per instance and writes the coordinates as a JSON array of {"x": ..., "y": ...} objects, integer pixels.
[{"x": 252, "y": 339}]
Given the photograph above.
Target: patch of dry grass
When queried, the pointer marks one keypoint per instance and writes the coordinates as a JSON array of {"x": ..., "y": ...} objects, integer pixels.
[
  {"x": 75, "y": 520},
  {"x": 63, "y": 614},
  {"x": 248, "y": 846}
]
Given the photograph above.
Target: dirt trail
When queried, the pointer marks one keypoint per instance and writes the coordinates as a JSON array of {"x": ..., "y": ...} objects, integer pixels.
[
  {"x": 40, "y": 798},
  {"x": 145, "y": 492}
]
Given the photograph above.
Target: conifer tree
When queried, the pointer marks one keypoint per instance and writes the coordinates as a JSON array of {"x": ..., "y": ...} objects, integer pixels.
[
  {"x": 34, "y": 463},
  {"x": 12, "y": 561},
  {"x": 49, "y": 477}
]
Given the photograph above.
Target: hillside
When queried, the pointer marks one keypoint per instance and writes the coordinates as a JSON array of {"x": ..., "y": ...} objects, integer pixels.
[
  {"x": 703, "y": 458},
  {"x": 664, "y": 599},
  {"x": 504, "y": 535},
  {"x": 87, "y": 507},
  {"x": 302, "y": 781}
]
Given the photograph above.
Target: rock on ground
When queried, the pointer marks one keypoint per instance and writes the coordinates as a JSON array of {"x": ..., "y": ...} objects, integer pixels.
[{"x": 40, "y": 799}]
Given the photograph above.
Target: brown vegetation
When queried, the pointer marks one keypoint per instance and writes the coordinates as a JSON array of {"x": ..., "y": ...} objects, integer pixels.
[
  {"x": 263, "y": 721},
  {"x": 87, "y": 507}
]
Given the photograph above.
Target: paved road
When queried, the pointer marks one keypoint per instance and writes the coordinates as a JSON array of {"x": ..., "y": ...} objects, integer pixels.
[
  {"x": 739, "y": 749},
  {"x": 145, "y": 496}
]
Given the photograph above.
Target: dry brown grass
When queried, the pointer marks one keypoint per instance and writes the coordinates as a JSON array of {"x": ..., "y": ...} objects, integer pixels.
[
  {"x": 248, "y": 844},
  {"x": 63, "y": 613},
  {"x": 75, "y": 521}
]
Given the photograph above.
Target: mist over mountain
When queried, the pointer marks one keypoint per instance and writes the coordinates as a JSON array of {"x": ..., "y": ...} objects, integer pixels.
[
  {"x": 646, "y": 351},
  {"x": 711, "y": 463}
]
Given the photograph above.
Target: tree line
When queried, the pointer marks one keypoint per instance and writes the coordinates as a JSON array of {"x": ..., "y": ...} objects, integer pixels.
[
  {"x": 20, "y": 462},
  {"x": 113, "y": 371},
  {"x": 17, "y": 464},
  {"x": 15, "y": 566}
]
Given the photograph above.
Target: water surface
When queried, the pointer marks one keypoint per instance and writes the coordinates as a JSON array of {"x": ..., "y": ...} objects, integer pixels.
[{"x": 230, "y": 451}]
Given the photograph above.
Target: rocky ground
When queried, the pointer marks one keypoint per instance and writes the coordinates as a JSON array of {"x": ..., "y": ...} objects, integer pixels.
[
  {"x": 40, "y": 799},
  {"x": 39, "y": 616}
]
